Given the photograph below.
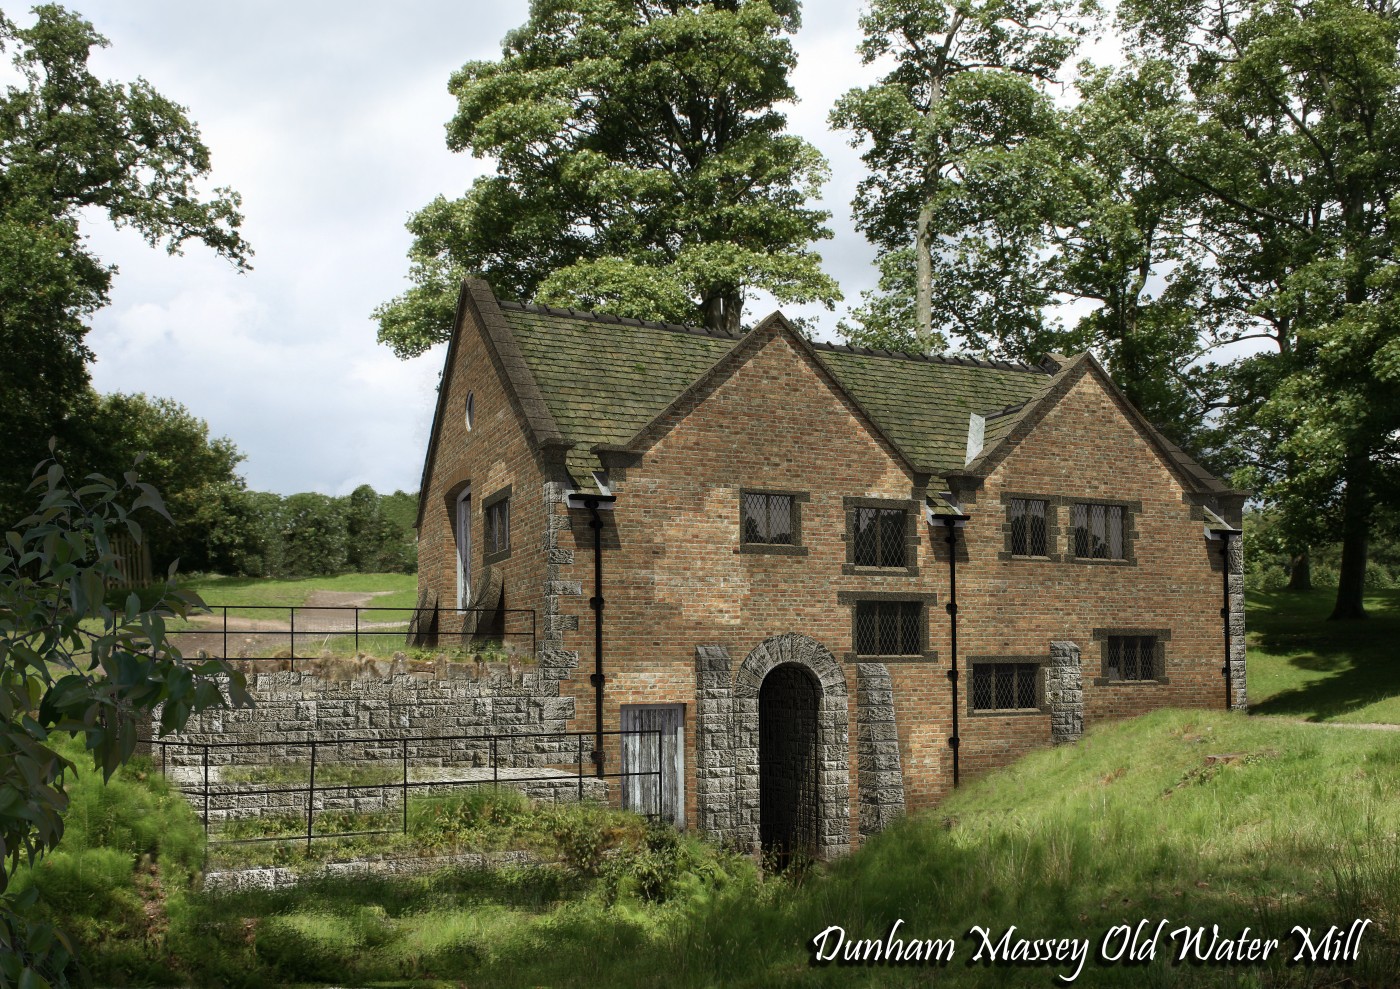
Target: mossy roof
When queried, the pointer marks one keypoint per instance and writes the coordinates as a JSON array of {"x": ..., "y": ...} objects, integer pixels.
[{"x": 605, "y": 378}]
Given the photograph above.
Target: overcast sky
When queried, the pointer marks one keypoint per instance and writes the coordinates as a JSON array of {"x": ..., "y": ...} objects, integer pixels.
[{"x": 328, "y": 119}]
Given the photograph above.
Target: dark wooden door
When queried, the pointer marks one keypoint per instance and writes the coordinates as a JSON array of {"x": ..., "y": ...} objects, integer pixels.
[
  {"x": 787, "y": 764},
  {"x": 644, "y": 752}
]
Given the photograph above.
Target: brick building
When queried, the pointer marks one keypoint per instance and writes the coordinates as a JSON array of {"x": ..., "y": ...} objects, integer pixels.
[{"x": 774, "y": 520}]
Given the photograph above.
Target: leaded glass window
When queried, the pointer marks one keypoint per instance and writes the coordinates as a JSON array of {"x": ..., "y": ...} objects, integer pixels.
[
  {"x": 767, "y": 519},
  {"x": 1098, "y": 531},
  {"x": 1003, "y": 686},
  {"x": 1028, "y": 527},
  {"x": 1132, "y": 657},
  {"x": 880, "y": 537},
  {"x": 888, "y": 628}
]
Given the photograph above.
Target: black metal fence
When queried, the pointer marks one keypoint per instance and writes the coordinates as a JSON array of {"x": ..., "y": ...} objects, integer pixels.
[
  {"x": 554, "y": 762},
  {"x": 288, "y": 633}
]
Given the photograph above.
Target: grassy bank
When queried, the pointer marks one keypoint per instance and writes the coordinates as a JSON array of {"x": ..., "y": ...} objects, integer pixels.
[
  {"x": 1303, "y": 666},
  {"x": 1137, "y": 822}
]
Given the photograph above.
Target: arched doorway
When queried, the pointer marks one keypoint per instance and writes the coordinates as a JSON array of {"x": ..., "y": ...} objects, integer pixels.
[{"x": 788, "y": 764}]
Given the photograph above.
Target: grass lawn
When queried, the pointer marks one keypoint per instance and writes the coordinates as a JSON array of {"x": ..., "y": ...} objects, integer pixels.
[
  {"x": 1303, "y": 666},
  {"x": 240, "y": 592}
]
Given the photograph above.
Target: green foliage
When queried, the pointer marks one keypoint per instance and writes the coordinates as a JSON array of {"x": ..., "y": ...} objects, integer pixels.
[
  {"x": 193, "y": 471},
  {"x": 79, "y": 661},
  {"x": 965, "y": 91},
  {"x": 1290, "y": 159},
  {"x": 314, "y": 536},
  {"x": 1302, "y": 667},
  {"x": 641, "y": 168},
  {"x": 72, "y": 146}
]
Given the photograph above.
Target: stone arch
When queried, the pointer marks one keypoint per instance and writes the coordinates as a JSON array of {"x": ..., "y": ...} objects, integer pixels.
[{"x": 834, "y": 783}]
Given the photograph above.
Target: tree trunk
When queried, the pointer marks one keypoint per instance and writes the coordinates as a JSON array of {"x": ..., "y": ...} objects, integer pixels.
[
  {"x": 1356, "y": 526},
  {"x": 1300, "y": 571},
  {"x": 924, "y": 271}
]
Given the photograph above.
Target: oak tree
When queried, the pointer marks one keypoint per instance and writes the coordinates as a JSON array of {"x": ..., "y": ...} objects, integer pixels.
[{"x": 641, "y": 167}]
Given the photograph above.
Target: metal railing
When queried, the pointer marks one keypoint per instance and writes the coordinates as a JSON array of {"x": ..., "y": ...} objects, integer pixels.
[
  {"x": 557, "y": 772},
  {"x": 290, "y": 633}
]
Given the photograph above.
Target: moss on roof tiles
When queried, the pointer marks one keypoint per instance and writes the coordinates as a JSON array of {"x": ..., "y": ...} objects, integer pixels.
[
  {"x": 604, "y": 380},
  {"x": 924, "y": 405}
]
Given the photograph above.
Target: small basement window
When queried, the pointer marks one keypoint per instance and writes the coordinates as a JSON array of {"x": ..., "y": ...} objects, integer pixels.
[
  {"x": 1132, "y": 657},
  {"x": 1004, "y": 686}
]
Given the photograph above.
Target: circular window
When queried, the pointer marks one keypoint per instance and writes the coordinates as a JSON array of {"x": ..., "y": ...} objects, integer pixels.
[{"x": 471, "y": 410}]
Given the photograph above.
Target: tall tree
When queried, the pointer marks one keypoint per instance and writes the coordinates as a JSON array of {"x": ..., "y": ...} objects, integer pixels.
[
  {"x": 179, "y": 458},
  {"x": 1296, "y": 168},
  {"x": 70, "y": 145},
  {"x": 967, "y": 85},
  {"x": 641, "y": 167}
]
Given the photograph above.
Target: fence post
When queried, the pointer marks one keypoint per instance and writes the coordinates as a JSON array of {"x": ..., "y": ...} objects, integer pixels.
[
  {"x": 310, "y": 795},
  {"x": 357, "y": 630},
  {"x": 405, "y": 785},
  {"x": 495, "y": 765},
  {"x": 226, "y": 655},
  {"x": 206, "y": 793},
  {"x": 660, "y": 771},
  {"x": 292, "y": 628},
  {"x": 580, "y": 768}
]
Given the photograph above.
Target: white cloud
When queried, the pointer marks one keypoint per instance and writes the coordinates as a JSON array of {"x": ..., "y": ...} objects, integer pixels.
[{"x": 329, "y": 120}]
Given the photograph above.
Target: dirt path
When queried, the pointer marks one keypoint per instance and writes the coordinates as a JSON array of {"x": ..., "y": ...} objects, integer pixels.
[{"x": 322, "y": 614}]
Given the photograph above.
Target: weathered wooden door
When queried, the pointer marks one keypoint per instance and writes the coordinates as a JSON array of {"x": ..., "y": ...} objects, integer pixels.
[{"x": 644, "y": 789}]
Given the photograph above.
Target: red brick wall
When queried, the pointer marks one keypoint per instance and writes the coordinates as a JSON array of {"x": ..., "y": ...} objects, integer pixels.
[
  {"x": 1086, "y": 448},
  {"x": 492, "y": 455},
  {"x": 673, "y": 577}
]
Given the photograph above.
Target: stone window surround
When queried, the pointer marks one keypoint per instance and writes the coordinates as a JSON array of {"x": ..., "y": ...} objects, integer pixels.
[
  {"x": 799, "y": 498},
  {"x": 911, "y": 535},
  {"x": 487, "y": 503},
  {"x": 1131, "y": 510},
  {"x": 1102, "y": 635},
  {"x": 924, "y": 655},
  {"x": 1052, "y": 527},
  {"x": 1042, "y": 706}
]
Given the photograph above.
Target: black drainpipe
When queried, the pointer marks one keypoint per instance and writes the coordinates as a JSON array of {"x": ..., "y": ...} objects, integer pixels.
[
  {"x": 954, "y": 740},
  {"x": 1225, "y": 615},
  {"x": 596, "y": 603}
]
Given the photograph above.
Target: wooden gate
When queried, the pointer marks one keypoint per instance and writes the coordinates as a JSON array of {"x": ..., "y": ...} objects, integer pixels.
[{"x": 643, "y": 790}]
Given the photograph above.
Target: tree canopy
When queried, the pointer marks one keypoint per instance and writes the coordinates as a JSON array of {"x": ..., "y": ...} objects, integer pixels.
[
  {"x": 966, "y": 88},
  {"x": 71, "y": 144},
  {"x": 641, "y": 168}
]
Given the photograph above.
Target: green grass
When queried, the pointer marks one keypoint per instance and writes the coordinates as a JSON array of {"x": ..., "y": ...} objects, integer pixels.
[
  {"x": 241, "y": 593},
  {"x": 1303, "y": 666},
  {"x": 1132, "y": 823},
  {"x": 1300, "y": 827}
]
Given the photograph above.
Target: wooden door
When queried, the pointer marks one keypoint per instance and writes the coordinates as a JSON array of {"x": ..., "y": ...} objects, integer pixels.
[{"x": 644, "y": 790}]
